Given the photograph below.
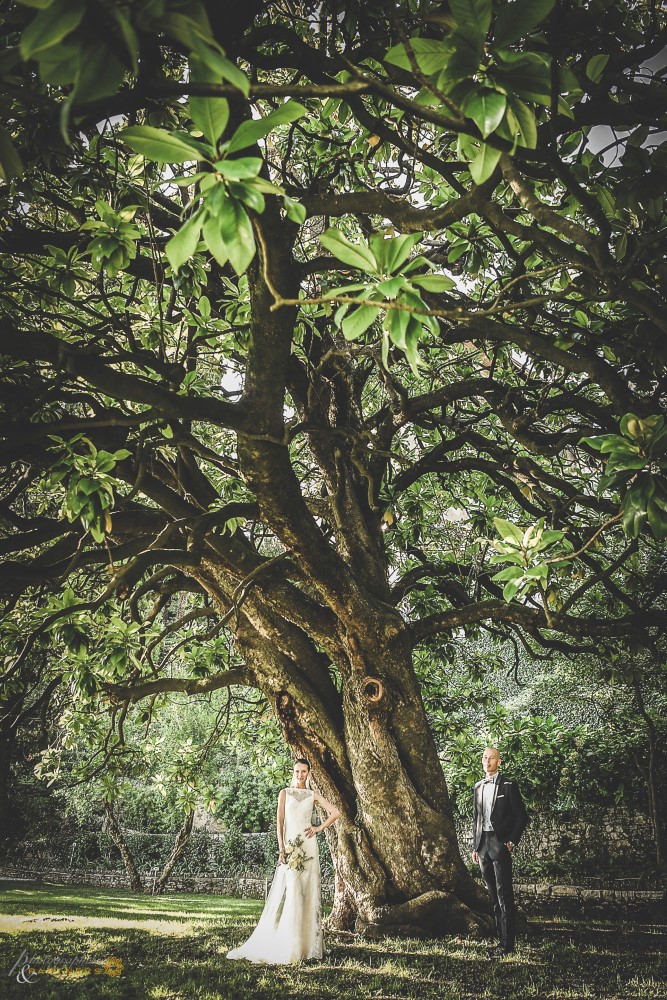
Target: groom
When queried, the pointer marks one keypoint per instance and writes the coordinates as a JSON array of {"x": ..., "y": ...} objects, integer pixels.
[{"x": 499, "y": 820}]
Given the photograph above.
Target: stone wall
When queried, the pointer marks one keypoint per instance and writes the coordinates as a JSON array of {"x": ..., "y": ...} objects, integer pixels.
[
  {"x": 601, "y": 838},
  {"x": 535, "y": 899},
  {"x": 235, "y": 886}
]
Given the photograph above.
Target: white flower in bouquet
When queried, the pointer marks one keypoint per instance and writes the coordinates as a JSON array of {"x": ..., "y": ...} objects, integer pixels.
[{"x": 295, "y": 854}]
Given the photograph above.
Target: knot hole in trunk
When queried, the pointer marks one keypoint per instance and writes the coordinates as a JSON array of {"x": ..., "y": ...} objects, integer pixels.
[{"x": 372, "y": 690}]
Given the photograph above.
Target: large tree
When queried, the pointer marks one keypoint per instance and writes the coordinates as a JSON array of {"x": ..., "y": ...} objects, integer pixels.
[{"x": 289, "y": 287}]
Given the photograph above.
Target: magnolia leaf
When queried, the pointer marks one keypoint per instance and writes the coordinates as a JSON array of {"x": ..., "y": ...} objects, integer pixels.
[
  {"x": 521, "y": 122},
  {"x": 214, "y": 241},
  {"x": 211, "y": 115},
  {"x": 50, "y": 26},
  {"x": 433, "y": 282},
  {"x": 484, "y": 164},
  {"x": 515, "y": 20},
  {"x": 508, "y": 531},
  {"x": 99, "y": 73},
  {"x": 486, "y": 108},
  {"x": 236, "y": 232},
  {"x": 219, "y": 65},
  {"x": 183, "y": 244},
  {"x": 472, "y": 14},
  {"x": 249, "y": 132},
  {"x": 355, "y": 254},
  {"x": 595, "y": 67},
  {"x": 238, "y": 170},
  {"x": 296, "y": 212},
  {"x": 390, "y": 253},
  {"x": 358, "y": 322},
  {"x": 429, "y": 53},
  {"x": 158, "y": 144}
]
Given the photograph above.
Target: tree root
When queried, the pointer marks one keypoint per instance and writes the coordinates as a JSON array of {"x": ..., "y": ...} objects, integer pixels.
[{"x": 433, "y": 914}]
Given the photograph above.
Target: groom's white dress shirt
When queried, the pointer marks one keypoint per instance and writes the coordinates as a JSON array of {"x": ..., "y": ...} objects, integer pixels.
[{"x": 488, "y": 788}]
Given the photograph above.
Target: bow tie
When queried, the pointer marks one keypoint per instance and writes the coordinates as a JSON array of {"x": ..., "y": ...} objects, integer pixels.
[{"x": 488, "y": 781}]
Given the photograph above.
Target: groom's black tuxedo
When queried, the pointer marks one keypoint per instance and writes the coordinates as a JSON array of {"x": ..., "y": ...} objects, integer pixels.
[
  {"x": 508, "y": 813},
  {"x": 508, "y": 819}
]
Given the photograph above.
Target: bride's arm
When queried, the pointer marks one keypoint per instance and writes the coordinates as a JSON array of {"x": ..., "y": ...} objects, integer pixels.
[
  {"x": 332, "y": 815},
  {"x": 280, "y": 827}
]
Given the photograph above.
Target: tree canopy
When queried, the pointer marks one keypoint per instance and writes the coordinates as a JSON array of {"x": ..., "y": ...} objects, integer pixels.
[{"x": 345, "y": 322}]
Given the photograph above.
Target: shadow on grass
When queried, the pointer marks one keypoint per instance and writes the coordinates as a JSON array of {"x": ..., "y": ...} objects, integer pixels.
[{"x": 558, "y": 960}]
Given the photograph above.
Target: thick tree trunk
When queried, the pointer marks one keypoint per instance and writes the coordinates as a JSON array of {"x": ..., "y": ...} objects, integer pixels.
[
  {"x": 397, "y": 857},
  {"x": 182, "y": 838},
  {"x": 119, "y": 840}
]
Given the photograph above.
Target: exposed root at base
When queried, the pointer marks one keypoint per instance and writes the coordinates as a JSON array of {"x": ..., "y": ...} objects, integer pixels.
[{"x": 433, "y": 914}]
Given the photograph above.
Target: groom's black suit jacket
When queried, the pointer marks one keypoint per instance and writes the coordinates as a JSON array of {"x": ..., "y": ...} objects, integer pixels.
[{"x": 508, "y": 813}]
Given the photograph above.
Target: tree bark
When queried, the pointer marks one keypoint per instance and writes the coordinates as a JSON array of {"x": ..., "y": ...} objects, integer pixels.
[
  {"x": 116, "y": 833},
  {"x": 182, "y": 838}
]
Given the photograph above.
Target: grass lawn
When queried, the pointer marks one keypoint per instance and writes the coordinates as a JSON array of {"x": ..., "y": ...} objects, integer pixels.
[{"x": 173, "y": 948}]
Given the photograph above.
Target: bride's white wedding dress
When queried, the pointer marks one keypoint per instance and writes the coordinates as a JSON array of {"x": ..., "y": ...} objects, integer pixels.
[{"x": 290, "y": 927}]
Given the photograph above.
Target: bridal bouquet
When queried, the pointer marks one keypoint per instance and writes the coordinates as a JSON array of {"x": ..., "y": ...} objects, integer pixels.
[{"x": 295, "y": 854}]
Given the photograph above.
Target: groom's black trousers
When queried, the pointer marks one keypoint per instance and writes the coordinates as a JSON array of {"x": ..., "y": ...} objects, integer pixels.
[{"x": 495, "y": 861}]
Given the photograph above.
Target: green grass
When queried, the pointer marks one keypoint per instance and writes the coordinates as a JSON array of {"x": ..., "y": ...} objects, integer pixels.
[{"x": 173, "y": 948}]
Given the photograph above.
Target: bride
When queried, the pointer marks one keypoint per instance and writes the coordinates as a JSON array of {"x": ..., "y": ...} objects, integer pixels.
[{"x": 290, "y": 927}]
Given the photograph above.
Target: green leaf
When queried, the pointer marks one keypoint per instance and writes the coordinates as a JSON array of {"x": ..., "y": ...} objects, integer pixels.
[
  {"x": 239, "y": 170},
  {"x": 509, "y": 573},
  {"x": 214, "y": 241},
  {"x": 249, "y": 195},
  {"x": 657, "y": 519},
  {"x": 236, "y": 231},
  {"x": 158, "y": 144},
  {"x": 99, "y": 74},
  {"x": 128, "y": 34},
  {"x": 522, "y": 124},
  {"x": 50, "y": 26},
  {"x": 390, "y": 287},
  {"x": 467, "y": 51},
  {"x": 472, "y": 14},
  {"x": 296, "y": 212},
  {"x": 510, "y": 590},
  {"x": 211, "y": 115},
  {"x": 433, "y": 282},
  {"x": 10, "y": 161},
  {"x": 430, "y": 55},
  {"x": 486, "y": 108},
  {"x": 515, "y": 20},
  {"x": 358, "y": 322},
  {"x": 525, "y": 74},
  {"x": 595, "y": 67},
  {"x": 396, "y": 323},
  {"x": 508, "y": 531},
  {"x": 220, "y": 65},
  {"x": 484, "y": 164},
  {"x": 249, "y": 132},
  {"x": 391, "y": 253},
  {"x": 355, "y": 254},
  {"x": 181, "y": 247},
  {"x": 412, "y": 337}
]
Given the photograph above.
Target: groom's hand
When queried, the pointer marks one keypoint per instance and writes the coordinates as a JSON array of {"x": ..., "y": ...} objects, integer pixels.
[{"x": 475, "y": 857}]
